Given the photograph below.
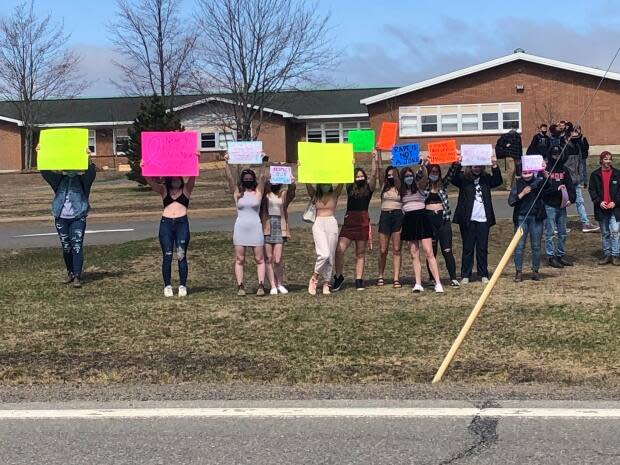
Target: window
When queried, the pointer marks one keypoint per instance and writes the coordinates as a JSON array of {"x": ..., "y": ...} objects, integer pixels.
[
  {"x": 225, "y": 138},
  {"x": 207, "y": 140},
  {"x": 216, "y": 140},
  {"x": 441, "y": 120},
  {"x": 333, "y": 133},
  {"x": 92, "y": 141},
  {"x": 121, "y": 141}
]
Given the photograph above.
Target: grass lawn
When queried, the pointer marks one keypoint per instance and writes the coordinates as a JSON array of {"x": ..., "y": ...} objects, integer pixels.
[{"x": 119, "y": 328}]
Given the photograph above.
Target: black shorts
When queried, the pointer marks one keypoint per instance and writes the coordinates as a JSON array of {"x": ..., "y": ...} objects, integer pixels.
[
  {"x": 416, "y": 226},
  {"x": 390, "y": 222}
]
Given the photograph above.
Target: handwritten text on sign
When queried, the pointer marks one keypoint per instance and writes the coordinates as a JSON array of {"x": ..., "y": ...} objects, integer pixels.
[
  {"x": 280, "y": 175},
  {"x": 170, "y": 154},
  {"x": 245, "y": 153},
  {"x": 532, "y": 163},
  {"x": 405, "y": 155},
  {"x": 443, "y": 152},
  {"x": 476, "y": 155}
]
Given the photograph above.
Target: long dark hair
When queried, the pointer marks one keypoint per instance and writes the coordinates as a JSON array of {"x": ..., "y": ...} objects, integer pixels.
[
  {"x": 404, "y": 189},
  {"x": 359, "y": 191},
  {"x": 386, "y": 186},
  {"x": 244, "y": 173},
  {"x": 469, "y": 174}
]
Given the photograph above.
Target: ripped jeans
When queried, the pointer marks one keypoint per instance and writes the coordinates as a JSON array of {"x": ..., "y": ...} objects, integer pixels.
[
  {"x": 174, "y": 235},
  {"x": 71, "y": 234}
]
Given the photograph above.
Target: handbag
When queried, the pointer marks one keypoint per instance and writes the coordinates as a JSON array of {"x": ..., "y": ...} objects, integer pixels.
[{"x": 309, "y": 215}]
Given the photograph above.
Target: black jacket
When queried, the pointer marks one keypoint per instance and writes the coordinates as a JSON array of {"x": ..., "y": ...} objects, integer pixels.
[
  {"x": 538, "y": 210},
  {"x": 467, "y": 195},
  {"x": 572, "y": 160},
  {"x": 509, "y": 145},
  {"x": 540, "y": 145},
  {"x": 559, "y": 176},
  {"x": 595, "y": 187},
  {"x": 584, "y": 146}
]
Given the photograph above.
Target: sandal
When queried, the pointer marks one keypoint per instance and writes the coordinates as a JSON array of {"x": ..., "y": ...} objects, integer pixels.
[
  {"x": 397, "y": 284},
  {"x": 380, "y": 282}
]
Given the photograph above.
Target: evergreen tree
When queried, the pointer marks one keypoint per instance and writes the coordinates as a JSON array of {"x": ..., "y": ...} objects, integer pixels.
[{"x": 152, "y": 117}]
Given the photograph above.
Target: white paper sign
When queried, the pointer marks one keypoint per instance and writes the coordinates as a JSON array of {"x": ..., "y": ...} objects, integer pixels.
[
  {"x": 280, "y": 175},
  {"x": 245, "y": 153},
  {"x": 532, "y": 163},
  {"x": 476, "y": 155}
]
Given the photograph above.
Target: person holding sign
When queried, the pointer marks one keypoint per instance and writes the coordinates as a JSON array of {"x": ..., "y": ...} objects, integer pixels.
[
  {"x": 440, "y": 215},
  {"x": 417, "y": 228},
  {"x": 526, "y": 199},
  {"x": 248, "y": 191},
  {"x": 475, "y": 216},
  {"x": 325, "y": 233},
  {"x": 175, "y": 192},
  {"x": 390, "y": 223},
  {"x": 70, "y": 208},
  {"x": 356, "y": 227},
  {"x": 274, "y": 217}
]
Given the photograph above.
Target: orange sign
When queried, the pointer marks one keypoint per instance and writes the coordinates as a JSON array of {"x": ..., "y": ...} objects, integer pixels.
[
  {"x": 387, "y": 136},
  {"x": 442, "y": 152}
]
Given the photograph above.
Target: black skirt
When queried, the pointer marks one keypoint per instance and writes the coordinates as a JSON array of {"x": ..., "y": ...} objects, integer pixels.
[{"x": 416, "y": 226}]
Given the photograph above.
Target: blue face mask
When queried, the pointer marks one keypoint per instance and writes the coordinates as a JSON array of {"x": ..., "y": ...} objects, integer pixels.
[
  {"x": 409, "y": 180},
  {"x": 433, "y": 177}
]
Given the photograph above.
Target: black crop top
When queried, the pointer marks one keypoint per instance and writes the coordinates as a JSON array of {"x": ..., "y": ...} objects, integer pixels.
[
  {"x": 357, "y": 203},
  {"x": 182, "y": 199},
  {"x": 433, "y": 198}
]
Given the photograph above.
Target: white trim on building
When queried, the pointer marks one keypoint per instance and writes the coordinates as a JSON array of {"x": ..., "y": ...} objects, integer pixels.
[{"x": 79, "y": 125}]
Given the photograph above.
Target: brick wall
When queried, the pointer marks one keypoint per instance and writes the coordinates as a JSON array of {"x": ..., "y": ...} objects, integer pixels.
[
  {"x": 567, "y": 92},
  {"x": 10, "y": 147}
]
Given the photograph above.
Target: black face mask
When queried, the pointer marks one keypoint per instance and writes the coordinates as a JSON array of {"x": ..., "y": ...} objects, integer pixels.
[
  {"x": 275, "y": 188},
  {"x": 249, "y": 184},
  {"x": 390, "y": 181},
  {"x": 544, "y": 133},
  {"x": 360, "y": 183}
]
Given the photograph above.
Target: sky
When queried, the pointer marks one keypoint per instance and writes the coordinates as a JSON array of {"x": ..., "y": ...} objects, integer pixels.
[{"x": 395, "y": 42}]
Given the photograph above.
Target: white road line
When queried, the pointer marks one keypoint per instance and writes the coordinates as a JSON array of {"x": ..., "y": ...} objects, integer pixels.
[
  {"x": 96, "y": 414},
  {"x": 88, "y": 231}
]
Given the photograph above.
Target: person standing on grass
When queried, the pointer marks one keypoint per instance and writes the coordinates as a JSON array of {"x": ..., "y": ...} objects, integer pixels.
[
  {"x": 475, "y": 216},
  {"x": 390, "y": 223},
  {"x": 440, "y": 215},
  {"x": 174, "y": 227},
  {"x": 605, "y": 193},
  {"x": 247, "y": 192},
  {"x": 417, "y": 229},
  {"x": 325, "y": 233},
  {"x": 526, "y": 199},
  {"x": 274, "y": 216},
  {"x": 559, "y": 195},
  {"x": 510, "y": 148},
  {"x": 540, "y": 144},
  {"x": 356, "y": 227},
  {"x": 70, "y": 208},
  {"x": 574, "y": 165}
]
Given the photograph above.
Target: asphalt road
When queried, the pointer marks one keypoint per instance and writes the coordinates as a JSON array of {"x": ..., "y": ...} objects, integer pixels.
[
  {"x": 42, "y": 234},
  {"x": 458, "y": 438}
]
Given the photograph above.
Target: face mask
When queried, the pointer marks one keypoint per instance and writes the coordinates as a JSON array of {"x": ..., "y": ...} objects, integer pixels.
[
  {"x": 325, "y": 188},
  {"x": 409, "y": 180},
  {"x": 528, "y": 178},
  {"x": 176, "y": 184},
  {"x": 249, "y": 184},
  {"x": 390, "y": 181},
  {"x": 544, "y": 133},
  {"x": 360, "y": 183},
  {"x": 275, "y": 188},
  {"x": 433, "y": 177}
]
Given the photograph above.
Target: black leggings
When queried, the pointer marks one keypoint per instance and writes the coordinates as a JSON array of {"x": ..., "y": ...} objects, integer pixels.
[{"x": 442, "y": 234}]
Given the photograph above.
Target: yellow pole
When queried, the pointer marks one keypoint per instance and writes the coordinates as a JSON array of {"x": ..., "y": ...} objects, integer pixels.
[{"x": 477, "y": 309}]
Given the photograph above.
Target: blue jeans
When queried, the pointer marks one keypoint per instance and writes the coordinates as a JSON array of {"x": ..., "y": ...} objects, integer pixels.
[
  {"x": 584, "y": 171},
  {"x": 174, "y": 232},
  {"x": 534, "y": 228},
  {"x": 581, "y": 206},
  {"x": 556, "y": 220},
  {"x": 71, "y": 233},
  {"x": 610, "y": 232}
]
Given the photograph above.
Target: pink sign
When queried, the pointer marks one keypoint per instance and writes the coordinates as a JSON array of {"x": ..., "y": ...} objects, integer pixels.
[{"x": 170, "y": 154}]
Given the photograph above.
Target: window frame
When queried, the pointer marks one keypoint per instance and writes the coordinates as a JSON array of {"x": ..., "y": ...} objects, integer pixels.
[
  {"x": 92, "y": 134},
  {"x": 115, "y": 137},
  {"x": 330, "y": 126},
  {"x": 460, "y": 110},
  {"x": 220, "y": 139}
]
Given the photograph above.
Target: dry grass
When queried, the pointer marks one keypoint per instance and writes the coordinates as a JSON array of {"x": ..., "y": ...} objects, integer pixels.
[{"x": 119, "y": 329}]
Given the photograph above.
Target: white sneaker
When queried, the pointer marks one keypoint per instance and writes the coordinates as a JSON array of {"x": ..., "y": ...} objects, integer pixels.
[
  {"x": 418, "y": 288},
  {"x": 455, "y": 283},
  {"x": 465, "y": 281},
  {"x": 282, "y": 289},
  {"x": 182, "y": 291},
  {"x": 485, "y": 280},
  {"x": 439, "y": 288},
  {"x": 168, "y": 292},
  {"x": 273, "y": 291}
]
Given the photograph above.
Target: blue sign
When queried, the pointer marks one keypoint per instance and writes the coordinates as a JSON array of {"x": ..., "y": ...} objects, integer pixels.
[{"x": 405, "y": 155}]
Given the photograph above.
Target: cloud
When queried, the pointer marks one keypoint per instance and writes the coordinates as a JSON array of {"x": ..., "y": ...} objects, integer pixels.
[{"x": 97, "y": 67}]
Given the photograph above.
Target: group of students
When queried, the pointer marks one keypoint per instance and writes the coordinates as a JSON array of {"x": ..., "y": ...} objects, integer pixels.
[{"x": 415, "y": 209}]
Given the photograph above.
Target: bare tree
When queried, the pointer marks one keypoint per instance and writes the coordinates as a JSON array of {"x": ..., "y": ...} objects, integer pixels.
[
  {"x": 253, "y": 49},
  {"x": 35, "y": 65},
  {"x": 156, "y": 47}
]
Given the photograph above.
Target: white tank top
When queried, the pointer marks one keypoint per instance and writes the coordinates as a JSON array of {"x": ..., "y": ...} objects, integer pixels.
[{"x": 274, "y": 205}]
